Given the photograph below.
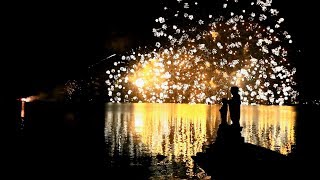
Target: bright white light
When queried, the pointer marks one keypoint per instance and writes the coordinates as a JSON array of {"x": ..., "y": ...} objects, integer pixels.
[{"x": 140, "y": 83}]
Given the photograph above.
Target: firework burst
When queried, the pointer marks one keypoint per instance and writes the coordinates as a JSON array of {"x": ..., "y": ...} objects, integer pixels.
[{"x": 198, "y": 57}]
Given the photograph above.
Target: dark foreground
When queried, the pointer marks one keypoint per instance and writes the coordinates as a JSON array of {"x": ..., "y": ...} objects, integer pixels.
[
  {"x": 58, "y": 139},
  {"x": 69, "y": 138},
  {"x": 231, "y": 148}
]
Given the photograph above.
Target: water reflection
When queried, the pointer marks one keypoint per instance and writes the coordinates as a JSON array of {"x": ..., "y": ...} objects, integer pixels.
[
  {"x": 179, "y": 131},
  {"x": 269, "y": 126}
]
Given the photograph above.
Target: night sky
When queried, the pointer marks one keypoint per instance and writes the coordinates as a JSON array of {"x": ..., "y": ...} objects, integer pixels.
[{"x": 49, "y": 43}]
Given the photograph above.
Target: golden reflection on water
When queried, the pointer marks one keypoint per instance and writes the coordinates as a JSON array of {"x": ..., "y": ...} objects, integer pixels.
[
  {"x": 174, "y": 130},
  {"x": 179, "y": 131},
  {"x": 271, "y": 127}
]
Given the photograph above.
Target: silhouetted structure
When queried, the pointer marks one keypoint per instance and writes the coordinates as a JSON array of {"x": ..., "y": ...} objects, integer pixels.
[
  {"x": 234, "y": 106},
  {"x": 229, "y": 145},
  {"x": 160, "y": 157},
  {"x": 224, "y": 111}
]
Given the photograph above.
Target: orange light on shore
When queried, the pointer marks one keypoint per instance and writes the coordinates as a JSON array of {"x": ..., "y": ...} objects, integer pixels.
[
  {"x": 23, "y": 103},
  {"x": 28, "y": 99}
]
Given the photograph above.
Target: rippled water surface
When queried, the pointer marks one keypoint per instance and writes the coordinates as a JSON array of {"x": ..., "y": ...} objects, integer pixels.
[{"x": 136, "y": 133}]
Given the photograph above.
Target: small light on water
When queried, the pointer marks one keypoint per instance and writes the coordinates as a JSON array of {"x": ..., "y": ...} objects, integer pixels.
[{"x": 22, "y": 108}]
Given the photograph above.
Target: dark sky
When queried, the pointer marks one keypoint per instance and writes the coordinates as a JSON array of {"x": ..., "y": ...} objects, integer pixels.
[{"x": 50, "y": 42}]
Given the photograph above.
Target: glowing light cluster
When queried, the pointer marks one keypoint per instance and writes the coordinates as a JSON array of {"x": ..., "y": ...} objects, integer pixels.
[
  {"x": 71, "y": 88},
  {"x": 197, "y": 59},
  {"x": 30, "y": 98}
]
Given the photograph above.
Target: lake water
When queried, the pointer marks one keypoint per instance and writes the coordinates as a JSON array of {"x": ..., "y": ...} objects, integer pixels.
[{"x": 179, "y": 131}]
